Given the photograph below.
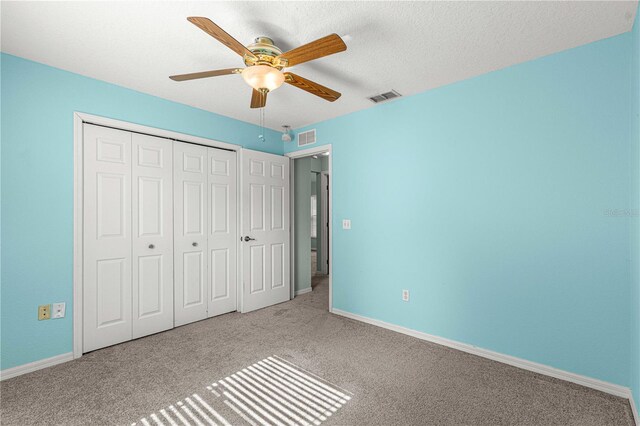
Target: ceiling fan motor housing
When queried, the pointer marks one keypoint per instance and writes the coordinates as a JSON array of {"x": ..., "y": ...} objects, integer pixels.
[{"x": 266, "y": 53}]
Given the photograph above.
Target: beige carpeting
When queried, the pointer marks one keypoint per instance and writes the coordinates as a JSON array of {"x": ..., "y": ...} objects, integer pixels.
[{"x": 392, "y": 379}]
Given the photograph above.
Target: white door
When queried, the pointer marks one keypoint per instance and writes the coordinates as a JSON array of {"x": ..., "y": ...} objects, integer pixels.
[
  {"x": 223, "y": 235},
  {"x": 152, "y": 211},
  {"x": 190, "y": 232},
  {"x": 324, "y": 226},
  {"x": 265, "y": 230},
  {"x": 107, "y": 237}
]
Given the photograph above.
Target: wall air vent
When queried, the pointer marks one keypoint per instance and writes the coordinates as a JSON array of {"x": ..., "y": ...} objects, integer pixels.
[
  {"x": 307, "y": 138},
  {"x": 376, "y": 99}
]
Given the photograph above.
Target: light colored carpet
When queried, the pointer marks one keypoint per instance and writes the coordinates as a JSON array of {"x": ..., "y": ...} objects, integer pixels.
[
  {"x": 271, "y": 391},
  {"x": 393, "y": 379}
]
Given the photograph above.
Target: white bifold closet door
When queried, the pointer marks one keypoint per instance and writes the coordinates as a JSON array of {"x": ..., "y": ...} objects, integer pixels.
[
  {"x": 152, "y": 211},
  {"x": 128, "y": 236},
  {"x": 107, "y": 237},
  {"x": 265, "y": 230},
  {"x": 204, "y": 232}
]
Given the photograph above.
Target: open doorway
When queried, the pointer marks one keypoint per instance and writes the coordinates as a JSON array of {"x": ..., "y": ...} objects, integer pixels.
[
  {"x": 311, "y": 214},
  {"x": 319, "y": 229}
]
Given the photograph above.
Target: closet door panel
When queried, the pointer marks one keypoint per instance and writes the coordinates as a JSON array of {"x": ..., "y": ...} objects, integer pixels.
[
  {"x": 107, "y": 234},
  {"x": 190, "y": 232},
  {"x": 193, "y": 278},
  {"x": 152, "y": 192},
  {"x": 222, "y": 238}
]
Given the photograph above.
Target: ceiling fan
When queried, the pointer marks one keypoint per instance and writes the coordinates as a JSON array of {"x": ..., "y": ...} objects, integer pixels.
[{"x": 265, "y": 63}]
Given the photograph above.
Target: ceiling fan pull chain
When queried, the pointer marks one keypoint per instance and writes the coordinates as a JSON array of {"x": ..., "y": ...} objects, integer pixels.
[{"x": 261, "y": 137}]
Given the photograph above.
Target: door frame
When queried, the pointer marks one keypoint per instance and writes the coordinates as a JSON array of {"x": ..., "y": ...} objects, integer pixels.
[
  {"x": 79, "y": 118},
  {"x": 301, "y": 154}
]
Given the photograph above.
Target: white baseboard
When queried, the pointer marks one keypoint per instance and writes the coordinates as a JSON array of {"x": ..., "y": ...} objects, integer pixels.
[
  {"x": 8, "y": 373},
  {"x": 589, "y": 382},
  {"x": 303, "y": 291}
]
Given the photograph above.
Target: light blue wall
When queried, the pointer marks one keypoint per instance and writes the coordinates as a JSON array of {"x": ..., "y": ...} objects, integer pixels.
[
  {"x": 37, "y": 188},
  {"x": 635, "y": 202},
  {"x": 489, "y": 205}
]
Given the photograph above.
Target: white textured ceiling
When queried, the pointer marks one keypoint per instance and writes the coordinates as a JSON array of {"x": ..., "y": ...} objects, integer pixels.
[{"x": 407, "y": 46}]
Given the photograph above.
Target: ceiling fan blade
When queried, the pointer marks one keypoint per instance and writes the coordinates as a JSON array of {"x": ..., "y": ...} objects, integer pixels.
[
  {"x": 316, "y": 49},
  {"x": 206, "y": 25},
  {"x": 205, "y": 74},
  {"x": 311, "y": 87},
  {"x": 258, "y": 99}
]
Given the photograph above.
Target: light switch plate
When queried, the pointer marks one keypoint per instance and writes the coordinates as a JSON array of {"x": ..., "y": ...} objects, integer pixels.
[
  {"x": 346, "y": 223},
  {"x": 58, "y": 310}
]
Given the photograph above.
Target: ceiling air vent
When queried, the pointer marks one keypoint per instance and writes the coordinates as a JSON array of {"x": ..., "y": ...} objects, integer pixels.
[
  {"x": 376, "y": 99},
  {"x": 307, "y": 138}
]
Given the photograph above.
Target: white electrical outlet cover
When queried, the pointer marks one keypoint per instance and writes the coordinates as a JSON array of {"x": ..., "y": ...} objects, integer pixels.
[
  {"x": 346, "y": 223},
  {"x": 58, "y": 310}
]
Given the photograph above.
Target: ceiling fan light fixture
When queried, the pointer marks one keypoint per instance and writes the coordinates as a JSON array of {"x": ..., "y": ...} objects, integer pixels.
[{"x": 263, "y": 77}]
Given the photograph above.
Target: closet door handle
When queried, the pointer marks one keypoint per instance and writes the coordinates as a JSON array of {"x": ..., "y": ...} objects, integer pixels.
[
  {"x": 248, "y": 238},
  {"x": 151, "y": 246},
  {"x": 194, "y": 244}
]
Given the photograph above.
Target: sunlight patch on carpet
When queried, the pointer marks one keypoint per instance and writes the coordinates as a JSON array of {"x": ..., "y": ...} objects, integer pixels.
[{"x": 271, "y": 392}]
